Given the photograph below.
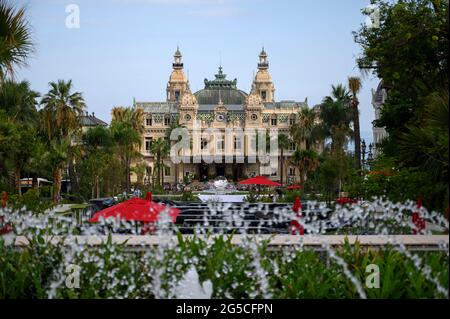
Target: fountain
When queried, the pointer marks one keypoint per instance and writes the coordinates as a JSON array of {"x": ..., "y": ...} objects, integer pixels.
[
  {"x": 220, "y": 190},
  {"x": 240, "y": 266}
]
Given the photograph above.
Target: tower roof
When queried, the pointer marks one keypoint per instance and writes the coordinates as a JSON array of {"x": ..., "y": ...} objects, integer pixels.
[
  {"x": 263, "y": 63},
  {"x": 177, "y": 53},
  {"x": 177, "y": 63},
  {"x": 263, "y": 53}
]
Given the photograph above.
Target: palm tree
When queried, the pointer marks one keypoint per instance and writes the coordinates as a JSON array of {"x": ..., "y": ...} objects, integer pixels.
[
  {"x": 334, "y": 111},
  {"x": 133, "y": 116},
  {"x": 283, "y": 144},
  {"x": 160, "y": 149},
  {"x": 62, "y": 109},
  {"x": 118, "y": 114},
  {"x": 306, "y": 129},
  {"x": 19, "y": 102},
  {"x": 306, "y": 161},
  {"x": 354, "y": 83},
  {"x": 127, "y": 142},
  {"x": 15, "y": 39},
  {"x": 140, "y": 169},
  {"x": 60, "y": 120},
  {"x": 129, "y": 118}
]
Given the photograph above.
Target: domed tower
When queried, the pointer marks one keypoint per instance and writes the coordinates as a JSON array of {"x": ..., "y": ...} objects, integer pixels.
[
  {"x": 263, "y": 83},
  {"x": 177, "y": 82}
]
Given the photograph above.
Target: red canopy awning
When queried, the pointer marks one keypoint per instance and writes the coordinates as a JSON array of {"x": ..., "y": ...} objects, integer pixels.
[
  {"x": 136, "y": 209},
  {"x": 259, "y": 180}
]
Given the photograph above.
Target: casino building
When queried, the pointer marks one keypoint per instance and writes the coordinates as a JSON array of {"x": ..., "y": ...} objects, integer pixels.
[{"x": 220, "y": 105}]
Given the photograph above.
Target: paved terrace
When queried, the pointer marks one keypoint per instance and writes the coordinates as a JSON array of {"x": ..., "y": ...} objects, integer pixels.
[{"x": 315, "y": 242}]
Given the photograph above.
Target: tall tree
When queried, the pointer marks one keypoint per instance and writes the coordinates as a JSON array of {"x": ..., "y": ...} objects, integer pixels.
[
  {"x": 306, "y": 161},
  {"x": 174, "y": 125},
  {"x": 97, "y": 145},
  {"x": 19, "y": 104},
  {"x": 60, "y": 120},
  {"x": 15, "y": 39},
  {"x": 283, "y": 144},
  {"x": 354, "y": 83},
  {"x": 131, "y": 118},
  {"x": 160, "y": 150},
  {"x": 306, "y": 128},
  {"x": 334, "y": 111},
  {"x": 409, "y": 51},
  {"x": 127, "y": 142}
]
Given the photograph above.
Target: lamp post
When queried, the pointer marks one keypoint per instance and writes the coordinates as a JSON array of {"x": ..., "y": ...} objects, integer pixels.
[
  {"x": 363, "y": 153},
  {"x": 370, "y": 154}
]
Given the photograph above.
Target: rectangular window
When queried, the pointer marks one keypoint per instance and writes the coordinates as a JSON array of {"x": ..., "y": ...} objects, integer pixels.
[
  {"x": 292, "y": 121},
  {"x": 237, "y": 143},
  {"x": 273, "y": 122},
  {"x": 177, "y": 95},
  {"x": 148, "y": 143},
  {"x": 167, "y": 121},
  {"x": 149, "y": 121},
  {"x": 220, "y": 143},
  {"x": 167, "y": 171},
  {"x": 263, "y": 95}
]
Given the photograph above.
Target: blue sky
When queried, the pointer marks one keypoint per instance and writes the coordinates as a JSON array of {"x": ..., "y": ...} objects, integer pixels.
[{"x": 123, "y": 48}]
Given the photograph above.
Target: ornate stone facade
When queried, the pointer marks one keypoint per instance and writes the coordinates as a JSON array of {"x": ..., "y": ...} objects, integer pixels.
[{"x": 219, "y": 106}]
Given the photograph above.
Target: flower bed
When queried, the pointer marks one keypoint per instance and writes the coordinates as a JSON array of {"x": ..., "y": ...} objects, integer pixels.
[{"x": 248, "y": 271}]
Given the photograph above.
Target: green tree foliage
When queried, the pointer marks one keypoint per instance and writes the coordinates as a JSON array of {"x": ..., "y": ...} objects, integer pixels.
[
  {"x": 15, "y": 39},
  {"x": 127, "y": 142},
  {"x": 334, "y": 112},
  {"x": 354, "y": 83},
  {"x": 60, "y": 123},
  {"x": 160, "y": 149},
  {"x": 97, "y": 145},
  {"x": 409, "y": 52}
]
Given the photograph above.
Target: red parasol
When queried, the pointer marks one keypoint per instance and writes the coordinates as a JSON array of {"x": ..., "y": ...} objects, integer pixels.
[
  {"x": 294, "y": 187},
  {"x": 138, "y": 210},
  {"x": 259, "y": 180}
]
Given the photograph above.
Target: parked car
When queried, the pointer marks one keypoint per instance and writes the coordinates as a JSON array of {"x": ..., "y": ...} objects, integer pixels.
[{"x": 101, "y": 203}]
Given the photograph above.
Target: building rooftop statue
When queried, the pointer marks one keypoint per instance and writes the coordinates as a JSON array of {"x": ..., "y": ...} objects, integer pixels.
[{"x": 220, "y": 89}]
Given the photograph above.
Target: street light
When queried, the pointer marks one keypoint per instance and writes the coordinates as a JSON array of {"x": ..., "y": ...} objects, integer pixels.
[
  {"x": 363, "y": 152},
  {"x": 370, "y": 154}
]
